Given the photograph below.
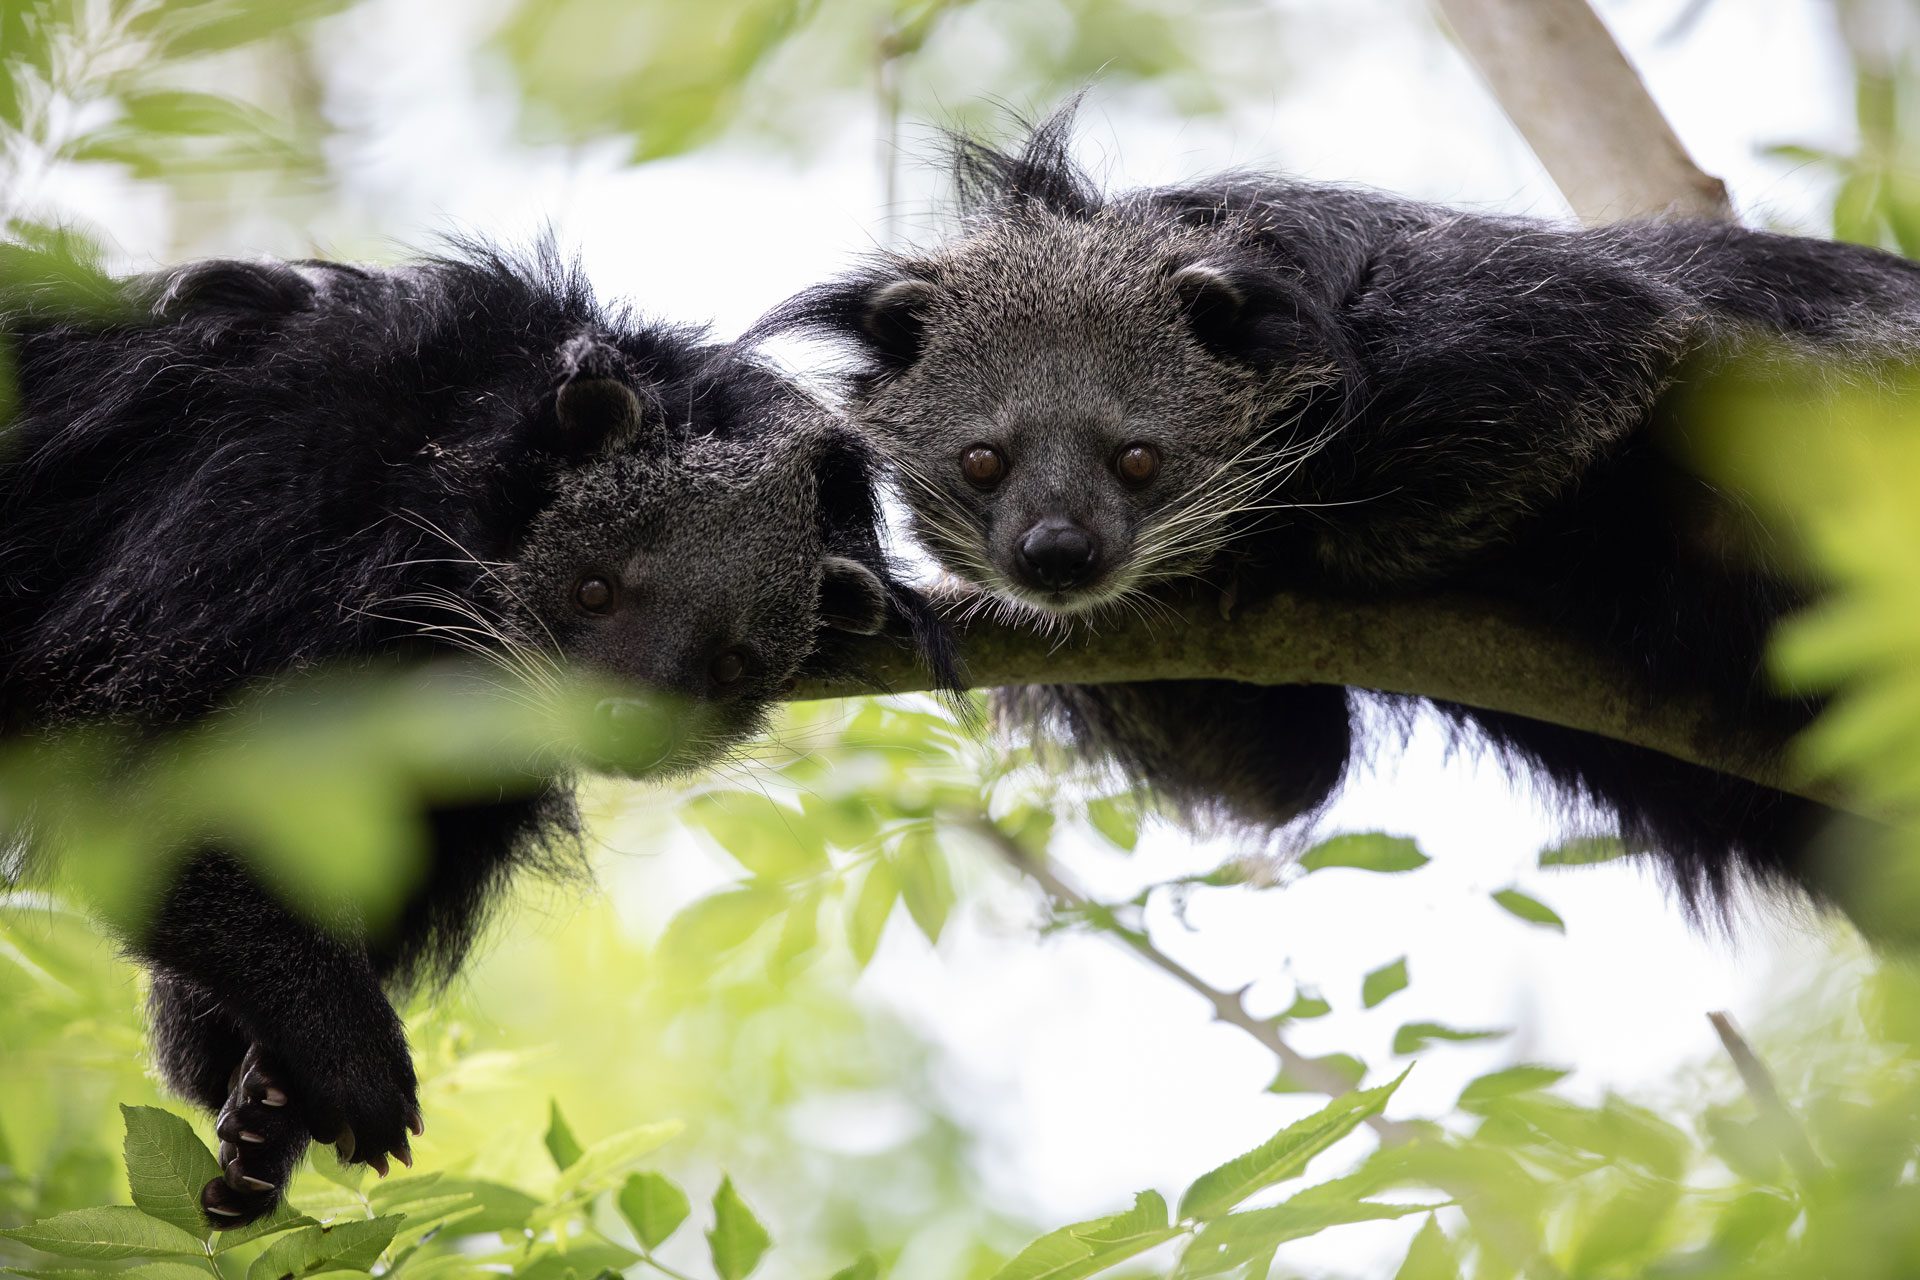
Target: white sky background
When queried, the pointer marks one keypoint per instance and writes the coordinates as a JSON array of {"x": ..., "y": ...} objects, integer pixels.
[{"x": 1049, "y": 1042}]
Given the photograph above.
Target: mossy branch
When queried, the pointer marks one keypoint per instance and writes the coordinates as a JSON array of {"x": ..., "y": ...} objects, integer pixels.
[{"x": 1452, "y": 648}]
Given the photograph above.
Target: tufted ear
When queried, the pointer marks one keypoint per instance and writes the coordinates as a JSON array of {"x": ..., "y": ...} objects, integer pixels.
[
  {"x": 1212, "y": 300},
  {"x": 894, "y": 318},
  {"x": 852, "y": 597},
  {"x": 234, "y": 288},
  {"x": 594, "y": 406}
]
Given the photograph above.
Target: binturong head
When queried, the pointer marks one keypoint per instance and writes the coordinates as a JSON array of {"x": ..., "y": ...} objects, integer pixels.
[
  {"x": 687, "y": 562},
  {"x": 1078, "y": 397}
]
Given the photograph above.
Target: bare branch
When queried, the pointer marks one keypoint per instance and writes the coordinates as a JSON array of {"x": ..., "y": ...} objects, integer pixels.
[
  {"x": 1228, "y": 1007},
  {"x": 1787, "y": 1133},
  {"x": 1475, "y": 652},
  {"x": 1580, "y": 105}
]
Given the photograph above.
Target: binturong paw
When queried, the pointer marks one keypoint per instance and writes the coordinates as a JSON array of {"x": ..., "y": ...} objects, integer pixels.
[{"x": 366, "y": 1108}]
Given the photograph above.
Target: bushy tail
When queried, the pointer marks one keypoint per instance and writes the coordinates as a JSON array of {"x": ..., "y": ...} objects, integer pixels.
[{"x": 1223, "y": 756}]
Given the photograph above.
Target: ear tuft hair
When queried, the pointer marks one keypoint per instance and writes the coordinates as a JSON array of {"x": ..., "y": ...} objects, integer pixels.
[{"x": 1041, "y": 172}]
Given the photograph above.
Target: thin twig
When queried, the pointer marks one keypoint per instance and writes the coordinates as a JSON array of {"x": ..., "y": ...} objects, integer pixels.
[
  {"x": 1767, "y": 1101},
  {"x": 1228, "y": 1006}
]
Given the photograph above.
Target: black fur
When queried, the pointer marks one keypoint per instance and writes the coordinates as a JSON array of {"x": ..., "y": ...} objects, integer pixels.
[
  {"x": 1457, "y": 401},
  {"x": 237, "y": 471}
]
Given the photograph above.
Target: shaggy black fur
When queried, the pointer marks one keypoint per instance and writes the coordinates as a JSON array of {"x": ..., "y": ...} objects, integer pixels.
[
  {"x": 239, "y": 470},
  {"x": 1339, "y": 390}
]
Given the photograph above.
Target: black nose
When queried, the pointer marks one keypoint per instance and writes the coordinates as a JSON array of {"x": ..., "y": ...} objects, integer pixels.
[
  {"x": 1057, "y": 554},
  {"x": 634, "y": 733}
]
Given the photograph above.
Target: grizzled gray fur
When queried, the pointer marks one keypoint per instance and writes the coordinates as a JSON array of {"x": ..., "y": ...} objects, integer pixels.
[{"x": 1250, "y": 384}]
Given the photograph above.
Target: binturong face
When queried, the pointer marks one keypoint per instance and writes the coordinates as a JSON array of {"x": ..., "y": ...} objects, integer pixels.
[
  {"x": 688, "y": 569},
  {"x": 1077, "y": 409}
]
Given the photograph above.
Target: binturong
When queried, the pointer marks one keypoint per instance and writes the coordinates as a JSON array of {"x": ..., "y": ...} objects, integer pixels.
[
  {"x": 234, "y": 471},
  {"x": 1091, "y": 401}
]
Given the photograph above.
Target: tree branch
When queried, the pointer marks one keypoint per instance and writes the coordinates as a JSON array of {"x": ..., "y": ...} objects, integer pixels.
[
  {"x": 1573, "y": 95},
  {"x": 1453, "y": 648},
  {"x": 1228, "y": 1006}
]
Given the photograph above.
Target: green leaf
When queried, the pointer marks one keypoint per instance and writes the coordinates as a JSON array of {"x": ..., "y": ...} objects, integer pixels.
[
  {"x": 561, "y": 1144},
  {"x": 105, "y": 1234},
  {"x": 1226, "y": 1243},
  {"x": 864, "y": 1267},
  {"x": 1525, "y": 1078},
  {"x": 352, "y": 1245},
  {"x": 737, "y": 1240},
  {"x": 502, "y": 1208},
  {"x": 1285, "y": 1155},
  {"x": 1117, "y": 818},
  {"x": 1383, "y": 982},
  {"x": 1415, "y": 1036},
  {"x": 1086, "y": 1248},
  {"x": 653, "y": 1206},
  {"x": 327, "y": 1163},
  {"x": 167, "y": 1165},
  {"x": 1345, "y": 1065},
  {"x": 769, "y": 839},
  {"x": 431, "y": 1214},
  {"x": 577, "y": 1260},
  {"x": 1307, "y": 1003},
  {"x": 282, "y": 1217},
  {"x": 868, "y": 918},
  {"x": 603, "y": 1165},
  {"x": 1583, "y": 852},
  {"x": 1365, "y": 851},
  {"x": 1430, "y": 1256},
  {"x": 1148, "y": 1215},
  {"x": 926, "y": 885},
  {"x": 1530, "y": 909},
  {"x": 718, "y": 923},
  {"x": 145, "y": 1271}
]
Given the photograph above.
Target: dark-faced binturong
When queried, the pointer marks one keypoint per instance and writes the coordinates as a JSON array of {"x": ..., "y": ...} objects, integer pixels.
[
  {"x": 233, "y": 473},
  {"x": 1094, "y": 401}
]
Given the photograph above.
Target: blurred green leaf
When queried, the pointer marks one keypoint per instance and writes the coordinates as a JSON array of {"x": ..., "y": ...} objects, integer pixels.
[
  {"x": 867, "y": 919},
  {"x": 1430, "y": 1256},
  {"x": 1524, "y": 1078},
  {"x": 926, "y": 884},
  {"x": 1117, "y": 819},
  {"x": 1530, "y": 909},
  {"x": 1343, "y": 1065},
  {"x": 653, "y": 1206},
  {"x": 1583, "y": 852},
  {"x": 561, "y": 1144},
  {"x": 865, "y": 1267},
  {"x": 737, "y": 1241},
  {"x": 1365, "y": 851},
  {"x": 1383, "y": 982},
  {"x": 1238, "y": 1238},
  {"x": 1415, "y": 1036},
  {"x": 1087, "y": 1248}
]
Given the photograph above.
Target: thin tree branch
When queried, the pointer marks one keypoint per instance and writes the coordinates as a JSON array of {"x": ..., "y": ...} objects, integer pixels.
[
  {"x": 1228, "y": 1006},
  {"x": 1458, "y": 649},
  {"x": 1773, "y": 1109},
  {"x": 1571, "y": 92}
]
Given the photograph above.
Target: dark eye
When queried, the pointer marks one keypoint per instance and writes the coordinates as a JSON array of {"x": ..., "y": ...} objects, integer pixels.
[
  {"x": 729, "y": 667},
  {"x": 593, "y": 595},
  {"x": 1137, "y": 464},
  {"x": 983, "y": 465}
]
